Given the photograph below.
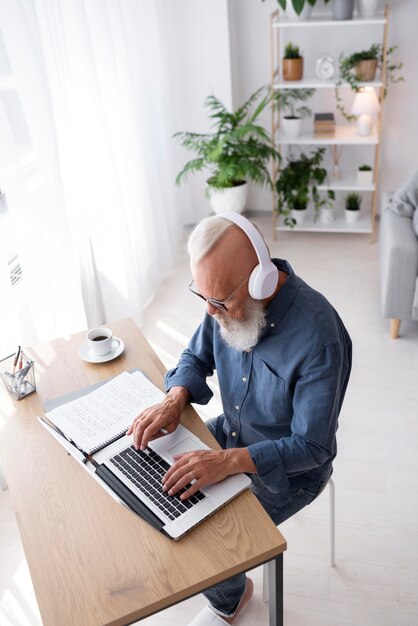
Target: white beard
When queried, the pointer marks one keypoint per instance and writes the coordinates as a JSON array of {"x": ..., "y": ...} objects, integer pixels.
[{"x": 242, "y": 335}]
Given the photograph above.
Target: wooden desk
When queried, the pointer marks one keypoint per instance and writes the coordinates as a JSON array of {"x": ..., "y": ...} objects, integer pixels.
[{"x": 93, "y": 562}]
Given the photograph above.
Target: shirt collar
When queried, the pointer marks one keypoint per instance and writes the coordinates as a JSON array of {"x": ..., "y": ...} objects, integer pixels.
[{"x": 277, "y": 307}]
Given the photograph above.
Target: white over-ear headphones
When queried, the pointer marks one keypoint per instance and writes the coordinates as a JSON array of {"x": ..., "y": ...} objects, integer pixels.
[{"x": 265, "y": 276}]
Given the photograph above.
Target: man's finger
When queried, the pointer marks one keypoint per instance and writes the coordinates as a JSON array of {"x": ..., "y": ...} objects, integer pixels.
[
  {"x": 177, "y": 485},
  {"x": 192, "y": 490},
  {"x": 175, "y": 467}
]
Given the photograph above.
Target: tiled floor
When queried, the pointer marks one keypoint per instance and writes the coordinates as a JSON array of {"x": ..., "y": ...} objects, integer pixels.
[{"x": 375, "y": 582}]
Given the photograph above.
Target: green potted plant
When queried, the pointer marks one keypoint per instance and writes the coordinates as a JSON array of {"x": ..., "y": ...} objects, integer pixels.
[
  {"x": 236, "y": 151},
  {"x": 352, "y": 207},
  {"x": 292, "y": 62},
  {"x": 361, "y": 67},
  {"x": 287, "y": 101},
  {"x": 297, "y": 184},
  {"x": 365, "y": 175}
]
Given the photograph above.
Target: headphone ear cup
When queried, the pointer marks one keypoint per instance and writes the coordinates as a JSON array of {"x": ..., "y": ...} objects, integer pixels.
[{"x": 263, "y": 281}]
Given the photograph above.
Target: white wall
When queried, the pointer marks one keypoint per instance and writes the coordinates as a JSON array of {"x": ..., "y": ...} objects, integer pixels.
[
  {"x": 198, "y": 34},
  {"x": 249, "y": 26}
]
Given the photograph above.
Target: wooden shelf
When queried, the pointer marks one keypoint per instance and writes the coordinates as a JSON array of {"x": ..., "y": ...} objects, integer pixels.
[
  {"x": 312, "y": 82},
  {"x": 344, "y": 135},
  {"x": 314, "y": 22}
]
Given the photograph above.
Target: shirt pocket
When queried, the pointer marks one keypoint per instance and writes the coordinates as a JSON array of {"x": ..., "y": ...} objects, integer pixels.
[{"x": 270, "y": 395}]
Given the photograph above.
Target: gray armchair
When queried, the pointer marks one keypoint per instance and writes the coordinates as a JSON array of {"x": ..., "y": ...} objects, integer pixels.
[{"x": 398, "y": 251}]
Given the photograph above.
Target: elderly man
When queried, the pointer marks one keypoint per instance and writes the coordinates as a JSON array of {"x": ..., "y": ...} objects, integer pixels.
[{"x": 283, "y": 358}]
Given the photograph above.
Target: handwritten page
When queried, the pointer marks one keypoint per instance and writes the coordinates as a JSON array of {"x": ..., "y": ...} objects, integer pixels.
[{"x": 105, "y": 413}]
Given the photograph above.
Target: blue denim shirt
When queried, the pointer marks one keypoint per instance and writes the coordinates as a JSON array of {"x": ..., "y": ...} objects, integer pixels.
[{"x": 282, "y": 398}]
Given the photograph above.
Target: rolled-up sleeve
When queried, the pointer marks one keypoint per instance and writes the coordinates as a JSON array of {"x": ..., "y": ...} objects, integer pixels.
[{"x": 195, "y": 365}]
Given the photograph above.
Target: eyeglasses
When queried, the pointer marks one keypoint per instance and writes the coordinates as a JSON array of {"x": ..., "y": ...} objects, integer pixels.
[{"x": 218, "y": 304}]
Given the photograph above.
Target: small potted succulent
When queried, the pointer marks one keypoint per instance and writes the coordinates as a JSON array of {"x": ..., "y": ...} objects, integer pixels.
[
  {"x": 293, "y": 113},
  {"x": 365, "y": 175},
  {"x": 292, "y": 62},
  {"x": 352, "y": 207}
]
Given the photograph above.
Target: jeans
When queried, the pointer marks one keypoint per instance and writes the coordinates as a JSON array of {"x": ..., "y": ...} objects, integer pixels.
[{"x": 225, "y": 597}]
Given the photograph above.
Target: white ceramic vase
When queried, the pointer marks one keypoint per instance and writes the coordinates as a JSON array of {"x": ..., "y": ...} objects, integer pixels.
[
  {"x": 228, "y": 199},
  {"x": 351, "y": 216},
  {"x": 298, "y": 215},
  {"x": 365, "y": 177},
  {"x": 368, "y": 8},
  {"x": 326, "y": 215},
  {"x": 292, "y": 126},
  {"x": 291, "y": 14}
]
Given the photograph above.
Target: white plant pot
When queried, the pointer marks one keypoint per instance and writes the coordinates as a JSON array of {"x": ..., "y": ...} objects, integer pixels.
[
  {"x": 291, "y": 14},
  {"x": 368, "y": 8},
  {"x": 298, "y": 215},
  {"x": 326, "y": 215},
  {"x": 351, "y": 216},
  {"x": 229, "y": 199},
  {"x": 292, "y": 126},
  {"x": 365, "y": 177}
]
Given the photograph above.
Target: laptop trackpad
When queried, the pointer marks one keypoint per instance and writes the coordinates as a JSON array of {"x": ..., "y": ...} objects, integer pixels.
[{"x": 187, "y": 445}]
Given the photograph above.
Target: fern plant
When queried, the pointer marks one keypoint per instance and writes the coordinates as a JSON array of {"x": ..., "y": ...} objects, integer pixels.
[{"x": 237, "y": 150}]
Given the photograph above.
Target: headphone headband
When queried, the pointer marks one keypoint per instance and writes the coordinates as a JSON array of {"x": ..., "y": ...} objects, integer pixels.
[{"x": 252, "y": 233}]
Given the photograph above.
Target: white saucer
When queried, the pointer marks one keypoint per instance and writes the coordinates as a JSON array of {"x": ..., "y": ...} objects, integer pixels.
[{"x": 116, "y": 349}]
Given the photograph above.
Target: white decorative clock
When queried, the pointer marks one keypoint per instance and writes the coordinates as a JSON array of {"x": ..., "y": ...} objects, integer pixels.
[{"x": 325, "y": 67}]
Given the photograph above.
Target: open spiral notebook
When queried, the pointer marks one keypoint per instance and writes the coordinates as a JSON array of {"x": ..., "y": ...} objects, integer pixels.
[{"x": 102, "y": 416}]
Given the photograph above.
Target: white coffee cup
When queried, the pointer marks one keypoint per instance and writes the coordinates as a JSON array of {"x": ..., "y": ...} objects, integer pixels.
[{"x": 100, "y": 341}]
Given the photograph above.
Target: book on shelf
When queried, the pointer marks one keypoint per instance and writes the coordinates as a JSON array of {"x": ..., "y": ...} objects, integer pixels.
[
  {"x": 324, "y": 124},
  {"x": 103, "y": 415}
]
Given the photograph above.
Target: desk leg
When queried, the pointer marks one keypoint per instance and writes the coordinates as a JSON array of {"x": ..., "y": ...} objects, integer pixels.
[{"x": 275, "y": 580}]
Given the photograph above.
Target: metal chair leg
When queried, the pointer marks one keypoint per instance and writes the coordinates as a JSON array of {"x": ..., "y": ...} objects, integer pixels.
[{"x": 331, "y": 486}]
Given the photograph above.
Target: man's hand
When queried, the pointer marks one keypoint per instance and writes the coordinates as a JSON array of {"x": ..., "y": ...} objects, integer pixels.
[
  {"x": 205, "y": 467},
  {"x": 166, "y": 414}
]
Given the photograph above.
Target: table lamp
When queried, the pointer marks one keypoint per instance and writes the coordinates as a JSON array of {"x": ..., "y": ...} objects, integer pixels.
[{"x": 365, "y": 105}]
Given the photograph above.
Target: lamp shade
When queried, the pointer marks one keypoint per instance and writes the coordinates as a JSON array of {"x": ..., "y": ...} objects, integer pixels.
[{"x": 365, "y": 102}]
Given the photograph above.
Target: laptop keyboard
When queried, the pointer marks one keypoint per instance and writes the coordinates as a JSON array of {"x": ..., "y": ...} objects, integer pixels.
[{"x": 145, "y": 469}]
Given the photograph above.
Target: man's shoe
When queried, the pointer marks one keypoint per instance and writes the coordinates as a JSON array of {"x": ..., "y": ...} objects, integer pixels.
[{"x": 207, "y": 617}]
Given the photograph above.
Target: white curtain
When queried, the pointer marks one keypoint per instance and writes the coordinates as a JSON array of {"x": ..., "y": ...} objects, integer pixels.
[{"x": 96, "y": 214}]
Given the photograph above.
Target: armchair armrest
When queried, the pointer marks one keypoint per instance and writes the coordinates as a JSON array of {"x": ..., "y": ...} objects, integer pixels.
[{"x": 398, "y": 250}]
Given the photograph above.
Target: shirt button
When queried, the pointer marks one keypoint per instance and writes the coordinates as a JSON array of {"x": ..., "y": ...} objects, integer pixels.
[
  {"x": 272, "y": 324},
  {"x": 237, "y": 407},
  {"x": 244, "y": 380},
  {"x": 234, "y": 434}
]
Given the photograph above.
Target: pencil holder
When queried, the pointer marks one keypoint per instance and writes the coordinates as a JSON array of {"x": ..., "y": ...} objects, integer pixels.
[{"x": 19, "y": 382}]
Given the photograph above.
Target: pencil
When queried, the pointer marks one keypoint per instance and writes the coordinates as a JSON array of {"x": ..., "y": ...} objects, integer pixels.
[{"x": 16, "y": 358}]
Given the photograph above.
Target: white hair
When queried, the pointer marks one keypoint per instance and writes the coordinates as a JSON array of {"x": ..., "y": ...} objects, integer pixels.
[{"x": 205, "y": 236}]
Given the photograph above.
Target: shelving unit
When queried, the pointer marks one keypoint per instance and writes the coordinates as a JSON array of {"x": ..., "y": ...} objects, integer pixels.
[{"x": 345, "y": 135}]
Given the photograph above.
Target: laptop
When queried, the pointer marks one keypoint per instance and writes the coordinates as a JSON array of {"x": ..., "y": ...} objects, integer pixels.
[{"x": 133, "y": 477}]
